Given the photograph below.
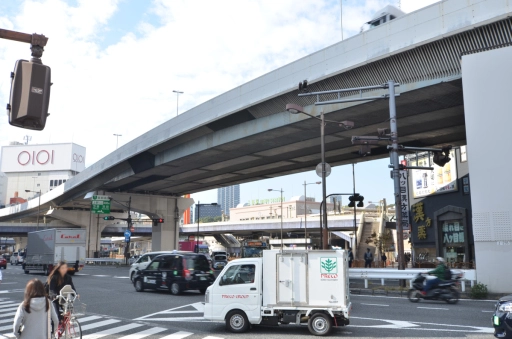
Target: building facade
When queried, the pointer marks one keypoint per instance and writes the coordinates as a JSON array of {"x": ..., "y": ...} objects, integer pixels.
[
  {"x": 207, "y": 211},
  {"x": 228, "y": 197},
  {"x": 39, "y": 168},
  {"x": 291, "y": 209},
  {"x": 440, "y": 210}
]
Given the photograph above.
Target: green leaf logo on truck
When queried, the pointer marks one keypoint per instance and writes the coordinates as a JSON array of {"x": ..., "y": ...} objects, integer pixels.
[{"x": 329, "y": 268}]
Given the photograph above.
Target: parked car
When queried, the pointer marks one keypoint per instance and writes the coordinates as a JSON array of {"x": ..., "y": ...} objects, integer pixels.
[
  {"x": 142, "y": 262},
  {"x": 7, "y": 256},
  {"x": 175, "y": 272},
  {"x": 220, "y": 261},
  {"x": 3, "y": 262},
  {"x": 17, "y": 258},
  {"x": 502, "y": 318}
]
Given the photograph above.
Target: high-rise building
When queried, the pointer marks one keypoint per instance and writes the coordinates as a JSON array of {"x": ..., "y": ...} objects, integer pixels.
[{"x": 228, "y": 197}]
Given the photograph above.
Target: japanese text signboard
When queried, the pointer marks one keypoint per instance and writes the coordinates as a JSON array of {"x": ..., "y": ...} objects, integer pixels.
[
  {"x": 440, "y": 180},
  {"x": 100, "y": 204},
  {"x": 404, "y": 200}
]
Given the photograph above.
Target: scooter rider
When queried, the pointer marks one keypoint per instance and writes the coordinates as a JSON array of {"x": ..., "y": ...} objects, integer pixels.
[{"x": 439, "y": 272}]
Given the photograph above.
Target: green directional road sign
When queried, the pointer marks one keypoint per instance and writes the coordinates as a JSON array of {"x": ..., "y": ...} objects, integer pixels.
[{"x": 100, "y": 204}]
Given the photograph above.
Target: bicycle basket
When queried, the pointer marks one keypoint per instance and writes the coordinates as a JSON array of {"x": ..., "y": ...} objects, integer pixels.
[{"x": 79, "y": 309}]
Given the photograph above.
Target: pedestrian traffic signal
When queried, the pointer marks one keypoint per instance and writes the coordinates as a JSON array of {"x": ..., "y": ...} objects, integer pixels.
[
  {"x": 158, "y": 221},
  {"x": 356, "y": 198},
  {"x": 109, "y": 218},
  {"x": 30, "y": 94},
  {"x": 443, "y": 157}
]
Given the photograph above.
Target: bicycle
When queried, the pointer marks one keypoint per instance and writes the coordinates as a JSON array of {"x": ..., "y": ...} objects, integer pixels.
[{"x": 69, "y": 327}]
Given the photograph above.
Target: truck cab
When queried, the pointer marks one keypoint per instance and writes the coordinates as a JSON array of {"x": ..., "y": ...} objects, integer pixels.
[{"x": 282, "y": 287}]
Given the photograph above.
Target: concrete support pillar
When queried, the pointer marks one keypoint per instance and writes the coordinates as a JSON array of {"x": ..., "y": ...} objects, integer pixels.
[
  {"x": 21, "y": 243},
  {"x": 165, "y": 236}
]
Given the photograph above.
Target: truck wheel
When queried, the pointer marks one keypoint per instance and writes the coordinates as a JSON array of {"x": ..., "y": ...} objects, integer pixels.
[
  {"x": 26, "y": 271},
  {"x": 46, "y": 271},
  {"x": 175, "y": 288},
  {"x": 202, "y": 290},
  {"x": 71, "y": 272},
  {"x": 236, "y": 322},
  {"x": 320, "y": 324},
  {"x": 139, "y": 285}
]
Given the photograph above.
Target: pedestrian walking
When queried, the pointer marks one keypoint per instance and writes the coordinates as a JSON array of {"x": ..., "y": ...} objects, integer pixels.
[
  {"x": 350, "y": 257},
  {"x": 407, "y": 259},
  {"x": 384, "y": 258},
  {"x": 368, "y": 258},
  {"x": 33, "y": 317}
]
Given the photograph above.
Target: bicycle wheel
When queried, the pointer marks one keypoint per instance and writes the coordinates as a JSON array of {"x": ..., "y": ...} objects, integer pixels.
[{"x": 73, "y": 330}]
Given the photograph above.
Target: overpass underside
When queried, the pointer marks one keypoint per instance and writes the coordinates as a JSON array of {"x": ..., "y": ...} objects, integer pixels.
[{"x": 263, "y": 141}]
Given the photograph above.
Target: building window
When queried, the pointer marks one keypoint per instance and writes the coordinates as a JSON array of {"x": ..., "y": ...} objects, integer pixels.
[
  {"x": 39, "y": 174},
  {"x": 37, "y": 185},
  {"x": 60, "y": 182},
  {"x": 51, "y": 183},
  {"x": 64, "y": 180}
]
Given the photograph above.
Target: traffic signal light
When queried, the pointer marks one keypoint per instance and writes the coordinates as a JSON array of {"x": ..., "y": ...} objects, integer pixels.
[
  {"x": 356, "y": 198},
  {"x": 30, "y": 94},
  {"x": 158, "y": 221},
  {"x": 443, "y": 157},
  {"x": 109, "y": 218}
]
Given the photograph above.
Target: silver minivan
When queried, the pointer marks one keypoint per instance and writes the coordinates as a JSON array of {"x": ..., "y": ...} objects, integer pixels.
[
  {"x": 17, "y": 258},
  {"x": 143, "y": 262}
]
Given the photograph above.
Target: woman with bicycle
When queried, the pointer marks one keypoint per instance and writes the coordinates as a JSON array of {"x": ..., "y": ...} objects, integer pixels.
[
  {"x": 32, "y": 319},
  {"x": 56, "y": 281}
]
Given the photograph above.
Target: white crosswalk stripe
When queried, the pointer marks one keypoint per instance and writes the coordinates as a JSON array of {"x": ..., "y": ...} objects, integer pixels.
[{"x": 98, "y": 326}]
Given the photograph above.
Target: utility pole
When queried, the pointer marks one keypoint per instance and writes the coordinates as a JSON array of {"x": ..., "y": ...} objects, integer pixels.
[
  {"x": 177, "y": 99},
  {"x": 355, "y": 211},
  {"x": 117, "y": 139}
]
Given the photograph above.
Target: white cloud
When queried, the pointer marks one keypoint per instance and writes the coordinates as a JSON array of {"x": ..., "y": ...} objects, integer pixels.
[{"x": 203, "y": 48}]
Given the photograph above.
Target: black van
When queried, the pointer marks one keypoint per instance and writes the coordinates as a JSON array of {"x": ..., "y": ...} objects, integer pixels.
[{"x": 175, "y": 272}]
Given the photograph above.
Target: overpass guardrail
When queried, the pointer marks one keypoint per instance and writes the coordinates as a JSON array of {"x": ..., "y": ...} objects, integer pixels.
[
  {"x": 408, "y": 274},
  {"x": 106, "y": 261}
]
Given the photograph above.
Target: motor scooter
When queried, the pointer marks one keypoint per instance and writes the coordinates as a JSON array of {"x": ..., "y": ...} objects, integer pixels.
[{"x": 445, "y": 290}]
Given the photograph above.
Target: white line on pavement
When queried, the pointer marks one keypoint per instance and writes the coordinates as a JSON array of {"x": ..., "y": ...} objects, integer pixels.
[
  {"x": 178, "y": 335},
  {"x": 375, "y": 305},
  {"x": 99, "y": 324},
  {"x": 90, "y": 318},
  {"x": 145, "y": 333},
  {"x": 210, "y": 337},
  {"x": 110, "y": 331},
  {"x": 434, "y": 308},
  {"x": 488, "y": 311},
  {"x": 405, "y": 298}
]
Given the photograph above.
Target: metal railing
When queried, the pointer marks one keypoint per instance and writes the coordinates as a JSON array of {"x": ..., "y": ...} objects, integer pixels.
[
  {"x": 106, "y": 261},
  {"x": 408, "y": 274}
]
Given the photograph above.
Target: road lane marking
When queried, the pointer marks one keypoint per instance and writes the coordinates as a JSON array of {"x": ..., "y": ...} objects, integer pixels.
[
  {"x": 375, "y": 305},
  {"x": 121, "y": 277},
  {"x": 7, "y": 314},
  {"x": 110, "y": 331},
  {"x": 145, "y": 333},
  {"x": 405, "y": 298},
  {"x": 434, "y": 308},
  {"x": 3, "y": 310},
  {"x": 99, "y": 324},
  {"x": 210, "y": 337},
  {"x": 101, "y": 275},
  {"x": 178, "y": 335},
  {"x": 488, "y": 311},
  {"x": 92, "y": 317}
]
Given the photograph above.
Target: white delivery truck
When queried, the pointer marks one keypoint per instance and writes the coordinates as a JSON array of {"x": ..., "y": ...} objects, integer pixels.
[
  {"x": 46, "y": 248},
  {"x": 300, "y": 287}
]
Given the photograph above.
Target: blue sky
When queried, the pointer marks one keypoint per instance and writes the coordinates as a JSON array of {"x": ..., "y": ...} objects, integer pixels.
[{"x": 115, "y": 64}]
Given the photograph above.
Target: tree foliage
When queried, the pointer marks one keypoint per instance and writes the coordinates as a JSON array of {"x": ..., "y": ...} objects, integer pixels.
[{"x": 381, "y": 241}]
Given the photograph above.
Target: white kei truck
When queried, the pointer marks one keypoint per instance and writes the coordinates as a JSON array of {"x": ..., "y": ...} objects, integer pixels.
[
  {"x": 46, "y": 248},
  {"x": 282, "y": 287}
]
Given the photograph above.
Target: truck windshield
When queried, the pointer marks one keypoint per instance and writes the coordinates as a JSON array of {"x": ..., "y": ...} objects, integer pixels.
[
  {"x": 252, "y": 252},
  {"x": 220, "y": 258}
]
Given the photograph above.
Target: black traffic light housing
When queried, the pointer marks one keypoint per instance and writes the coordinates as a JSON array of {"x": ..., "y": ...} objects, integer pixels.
[
  {"x": 30, "y": 94},
  {"x": 158, "y": 221},
  {"x": 443, "y": 157},
  {"x": 356, "y": 198},
  {"x": 109, "y": 218}
]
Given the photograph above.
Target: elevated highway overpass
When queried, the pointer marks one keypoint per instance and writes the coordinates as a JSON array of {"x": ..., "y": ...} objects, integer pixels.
[{"x": 245, "y": 134}]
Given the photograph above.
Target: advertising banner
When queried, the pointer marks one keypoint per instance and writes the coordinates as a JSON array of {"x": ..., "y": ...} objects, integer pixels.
[{"x": 440, "y": 180}]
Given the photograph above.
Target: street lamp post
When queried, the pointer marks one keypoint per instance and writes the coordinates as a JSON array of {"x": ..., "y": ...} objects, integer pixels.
[
  {"x": 117, "y": 139},
  {"x": 306, "y": 212},
  {"x": 281, "y": 190},
  {"x": 198, "y": 209},
  {"x": 296, "y": 109},
  {"x": 38, "y": 205},
  {"x": 177, "y": 99}
]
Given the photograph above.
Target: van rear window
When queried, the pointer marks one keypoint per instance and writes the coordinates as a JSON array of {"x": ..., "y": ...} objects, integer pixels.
[{"x": 198, "y": 263}]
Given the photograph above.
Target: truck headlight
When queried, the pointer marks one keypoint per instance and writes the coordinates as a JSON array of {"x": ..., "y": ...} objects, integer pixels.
[
  {"x": 207, "y": 297},
  {"x": 505, "y": 307}
]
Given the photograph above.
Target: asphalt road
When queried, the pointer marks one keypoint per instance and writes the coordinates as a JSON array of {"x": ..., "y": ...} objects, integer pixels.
[{"x": 115, "y": 310}]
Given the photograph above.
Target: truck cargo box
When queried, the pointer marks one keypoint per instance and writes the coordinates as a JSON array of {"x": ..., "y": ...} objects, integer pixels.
[{"x": 305, "y": 278}]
